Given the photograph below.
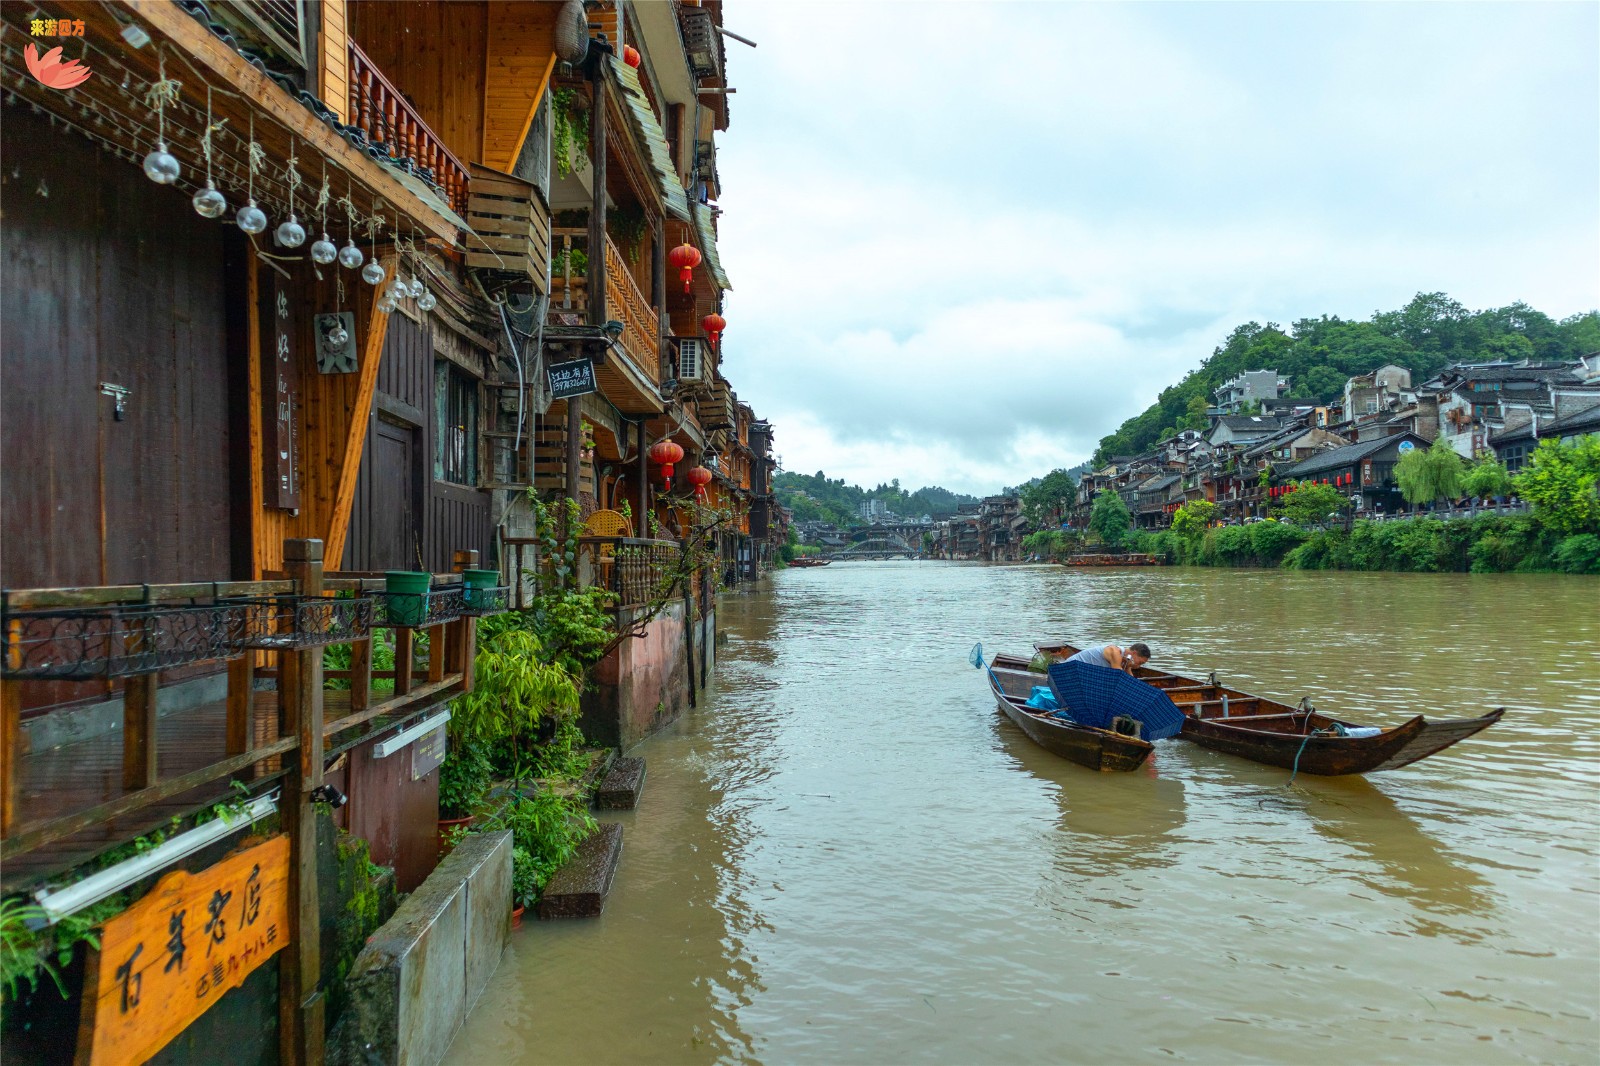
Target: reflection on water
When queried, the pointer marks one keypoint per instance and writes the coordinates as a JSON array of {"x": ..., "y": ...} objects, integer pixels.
[{"x": 845, "y": 855}]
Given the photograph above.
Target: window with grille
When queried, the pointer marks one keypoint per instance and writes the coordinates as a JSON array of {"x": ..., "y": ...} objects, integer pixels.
[
  {"x": 455, "y": 424},
  {"x": 689, "y": 360}
]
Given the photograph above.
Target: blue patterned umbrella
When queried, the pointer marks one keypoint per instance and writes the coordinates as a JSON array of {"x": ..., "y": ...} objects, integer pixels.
[{"x": 1096, "y": 694}]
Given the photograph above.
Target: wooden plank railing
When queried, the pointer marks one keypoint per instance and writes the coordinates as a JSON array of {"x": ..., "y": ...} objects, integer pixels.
[
  {"x": 388, "y": 119},
  {"x": 71, "y": 632},
  {"x": 636, "y": 569}
]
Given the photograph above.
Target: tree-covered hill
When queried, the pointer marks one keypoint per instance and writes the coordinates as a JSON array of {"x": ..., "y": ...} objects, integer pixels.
[
  {"x": 1319, "y": 354},
  {"x": 817, "y": 498}
]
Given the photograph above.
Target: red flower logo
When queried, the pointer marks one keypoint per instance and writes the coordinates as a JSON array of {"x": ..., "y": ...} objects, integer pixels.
[{"x": 52, "y": 72}]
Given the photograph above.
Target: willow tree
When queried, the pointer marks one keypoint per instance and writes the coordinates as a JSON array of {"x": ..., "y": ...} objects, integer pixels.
[{"x": 1432, "y": 474}]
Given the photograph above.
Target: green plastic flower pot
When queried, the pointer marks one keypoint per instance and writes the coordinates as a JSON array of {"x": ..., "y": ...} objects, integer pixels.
[
  {"x": 408, "y": 596},
  {"x": 478, "y": 583}
]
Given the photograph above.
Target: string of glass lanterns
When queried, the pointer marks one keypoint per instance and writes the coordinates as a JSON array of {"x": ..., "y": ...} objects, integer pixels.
[{"x": 175, "y": 121}]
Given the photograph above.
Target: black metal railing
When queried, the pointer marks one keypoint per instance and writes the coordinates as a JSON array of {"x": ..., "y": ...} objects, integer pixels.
[
  {"x": 292, "y": 621},
  {"x": 117, "y": 640},
  {"x": 421, "y": 610}
]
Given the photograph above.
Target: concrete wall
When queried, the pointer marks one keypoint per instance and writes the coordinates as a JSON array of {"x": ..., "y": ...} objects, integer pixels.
[
  {"x": 412, "y": 986},
  {"x": 644, "y": 683}
]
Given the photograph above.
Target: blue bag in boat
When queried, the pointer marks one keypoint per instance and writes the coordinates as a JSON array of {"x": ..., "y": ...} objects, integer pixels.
[{"x": 1043, "y": 699}]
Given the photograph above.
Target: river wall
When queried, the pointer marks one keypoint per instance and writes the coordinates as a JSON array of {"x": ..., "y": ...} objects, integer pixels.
[{"x": 645, "y": 682}]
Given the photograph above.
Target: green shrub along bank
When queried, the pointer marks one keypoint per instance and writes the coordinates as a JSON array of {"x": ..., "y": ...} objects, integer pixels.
[{"x": 1487, "y": 544}]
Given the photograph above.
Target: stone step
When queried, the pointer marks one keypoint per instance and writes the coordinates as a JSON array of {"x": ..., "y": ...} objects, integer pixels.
[
  {"x": 620, "y": 789},
  {"x": 578, "y": 889}
]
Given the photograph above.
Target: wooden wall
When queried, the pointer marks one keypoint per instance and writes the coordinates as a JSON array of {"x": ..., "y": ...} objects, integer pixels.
[
  {"x": 328, "y": 406},
  {"x": 410, "y": 522},
  {"x": 520, "y": 58},
  {"x": 333, "y": 64},
  {"x": 434, "y": 52},
  {"x": 109, "y": 278}
]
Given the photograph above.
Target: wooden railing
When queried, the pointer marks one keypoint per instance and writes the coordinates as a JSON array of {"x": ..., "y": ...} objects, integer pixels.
[
  {"x": 385, "y": 116},
  {"x": 635, "y": 568},
  {"x": 260, "y": 629},
  {"x": 625, "y": 302}
]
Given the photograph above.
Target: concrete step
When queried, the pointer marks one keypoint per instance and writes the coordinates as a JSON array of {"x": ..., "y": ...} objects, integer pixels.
[
  {"x": 578, "y": 889},
  {"x": 619, "y": 791}
]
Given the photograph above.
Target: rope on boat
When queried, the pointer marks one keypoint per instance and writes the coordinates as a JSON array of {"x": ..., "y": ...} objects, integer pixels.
[{"x": 1334, "y": 730}]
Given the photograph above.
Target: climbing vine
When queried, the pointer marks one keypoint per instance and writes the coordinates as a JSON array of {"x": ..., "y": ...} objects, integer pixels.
[{"x": 569, "y": 126}]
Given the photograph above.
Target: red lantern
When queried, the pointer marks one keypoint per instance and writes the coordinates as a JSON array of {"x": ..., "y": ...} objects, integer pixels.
[
  {"x": 665, "y": 454},
  {"x": 684, "y": 258},
  {"x": 630, "y": 56},
  {"x": 699, "y": 477},
  {"x": 714, "y": 324}
]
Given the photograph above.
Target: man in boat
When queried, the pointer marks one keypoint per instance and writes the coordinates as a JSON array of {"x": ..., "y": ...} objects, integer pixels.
[{"x": 1126, "y": 659}]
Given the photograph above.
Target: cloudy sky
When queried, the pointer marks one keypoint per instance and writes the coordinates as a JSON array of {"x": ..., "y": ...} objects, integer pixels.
[{"x": 967, "y": 240}]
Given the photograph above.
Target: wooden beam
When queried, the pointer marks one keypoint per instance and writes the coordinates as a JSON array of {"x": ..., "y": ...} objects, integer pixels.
[
  {"x": 241, "y": 703},
  {"x": 211, "y": 55},
  {"x": 10, "y": 750},
  {"x": 402, "y": 661},
  {"x": 436, "y": 652},
  {"x": 139, "y": 722},
  {"x": 360, "y": 418},
  {"x": 300, "y": 1001}
]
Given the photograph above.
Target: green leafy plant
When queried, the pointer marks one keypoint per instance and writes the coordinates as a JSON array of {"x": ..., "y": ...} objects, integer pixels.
[
  {"x": 1109, "y": 519},
  {"x": 1310, "y": 503},
  {"x": 1486, "y": 478},
  {"x": 572, "y": 262},
  {"x": 627, "y": 225},
  {"x": 524, "y": 878},
  {"x": 464, "y": 778},
  {"x": 548, "y": 825},
  {"x": 569, "y": 129},
  {"x": 1561, "y": 484},
  {"x": 1435, "y": 473},
  {"x": 22, "y": 959}
]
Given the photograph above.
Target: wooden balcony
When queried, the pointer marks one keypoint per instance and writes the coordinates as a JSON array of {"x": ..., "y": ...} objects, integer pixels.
[
  {"x": 64, "y": 805},
  {"x": 392, "y": 124},
  {"x": 625, "y": 303}
]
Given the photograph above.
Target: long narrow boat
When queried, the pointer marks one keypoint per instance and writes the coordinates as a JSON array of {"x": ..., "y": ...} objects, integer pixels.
[
  {"x": 1098, "y": 749},
  {"x": 1295, "y": 738},
  {"x": 808, "y": 560}
]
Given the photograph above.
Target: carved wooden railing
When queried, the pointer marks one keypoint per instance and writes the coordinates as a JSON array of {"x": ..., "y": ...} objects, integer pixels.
[
  {"x": 625, "y": 302},
  {"x": 635, "y": 568},
  {"x": 387, "y": 119},
  {"x": 641, "y": 331}
]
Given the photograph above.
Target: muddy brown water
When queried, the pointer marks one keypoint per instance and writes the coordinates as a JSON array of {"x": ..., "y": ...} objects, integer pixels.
[{"x": 845, "y": 855}]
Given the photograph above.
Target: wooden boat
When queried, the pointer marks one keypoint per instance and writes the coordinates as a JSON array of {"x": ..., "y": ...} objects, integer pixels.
[
  {"x": 1295, "y": 738},
  {"x": 808, "y": 560},
  {"x": 1108, "y": 559},
  {"x": 1098, "y": 749}
]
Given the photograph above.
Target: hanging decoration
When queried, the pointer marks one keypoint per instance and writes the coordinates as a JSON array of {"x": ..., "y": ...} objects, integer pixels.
[
  {"x": 714, "y": 324},
  {"x": 251, "y": 218},
  {"x": 631, "y": 56},
  {"x": 350, "y": 256},
  {"x": 699, "y": 477},
  {"x": 161, "y": 166},
  {"x": 323, "y": 250},
  {"x": 290, "y": 233},
  {"x": 665, "y": 454},
  {"x": 208, "y": 202},
  {"x": 684, "y": 258},
  {"x": 373, "y": 272}
]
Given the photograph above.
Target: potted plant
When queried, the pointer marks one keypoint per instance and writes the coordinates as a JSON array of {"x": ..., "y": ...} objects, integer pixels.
[
  {"x": 463, "y": 780},
  {"x": 407, "y": 596},
  {"x": 524, "y": 883}
]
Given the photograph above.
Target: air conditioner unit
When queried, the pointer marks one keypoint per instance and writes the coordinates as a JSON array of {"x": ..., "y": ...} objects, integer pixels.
[{"x": 689, "y": 361}]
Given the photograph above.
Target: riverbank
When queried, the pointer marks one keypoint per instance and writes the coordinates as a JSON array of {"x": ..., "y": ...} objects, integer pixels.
[{"x": 1487, "y": 544}]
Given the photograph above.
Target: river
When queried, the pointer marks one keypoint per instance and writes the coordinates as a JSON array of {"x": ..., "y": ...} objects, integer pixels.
[{"x": 846, "y": 856}]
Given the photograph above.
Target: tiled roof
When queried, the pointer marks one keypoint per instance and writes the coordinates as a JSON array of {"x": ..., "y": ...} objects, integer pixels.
[
  {"x": 1587, "y": 420},
  {"x": 1346, "y": 456}
]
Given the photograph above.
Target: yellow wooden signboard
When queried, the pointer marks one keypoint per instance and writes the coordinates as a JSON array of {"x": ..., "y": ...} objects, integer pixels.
[{"x": 170, "y": 956}]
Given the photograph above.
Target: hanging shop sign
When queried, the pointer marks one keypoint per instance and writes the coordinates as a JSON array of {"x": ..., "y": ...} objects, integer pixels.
[
  {"x": 571, "y": 379},
  {"x": 280, "y": 481},
  {"x": 170, "y": 956}
]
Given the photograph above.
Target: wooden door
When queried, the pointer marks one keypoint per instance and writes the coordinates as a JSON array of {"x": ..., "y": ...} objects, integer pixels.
[{"x": 384, "y": 531}]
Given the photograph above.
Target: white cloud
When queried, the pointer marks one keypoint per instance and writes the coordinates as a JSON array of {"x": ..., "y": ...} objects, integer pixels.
[{"x": 968, "y": 241}]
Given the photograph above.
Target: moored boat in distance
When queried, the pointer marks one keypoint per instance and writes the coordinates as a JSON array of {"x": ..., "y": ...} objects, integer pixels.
[
  {"x": 1011, "y": 683},
  {"x": 1300, "y": 738},
  {"x": 1109, "y": 559},
  {"x": 808, "y": 560}
]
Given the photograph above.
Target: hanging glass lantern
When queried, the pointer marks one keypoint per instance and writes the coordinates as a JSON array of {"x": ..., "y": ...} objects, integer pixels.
[
  {"x": 350, "y": 256},
  {"x": 291, "y": 234},
  {"x": 427, "y": 301},
  {"x": 324, "y": 251},
  {"x": 161, "y": 166},
  {"x": 387, "y": 305},
  {"x": 372, "y": 273},
  {"x": 251, "y": 218},
  {"x": 209, "y": 203}
]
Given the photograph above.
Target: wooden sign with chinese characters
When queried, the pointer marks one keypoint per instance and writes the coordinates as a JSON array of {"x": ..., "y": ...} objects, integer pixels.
[
  {"x": 279, "y": 377},
  {"x": 170, "y": 956},
  {"x": 575, "y": 378}
]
